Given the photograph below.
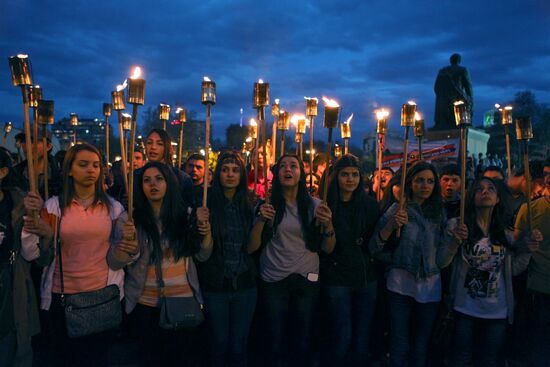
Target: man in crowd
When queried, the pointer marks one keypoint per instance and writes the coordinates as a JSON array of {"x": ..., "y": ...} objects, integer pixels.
[
  {"x": 194, "y": 167},
  {"x": 138, "y": 159},
  {"x": 538, "y": 278},
  {"x": 450, "y": 189},
  {"x": 494, "y": 172},
  {"x": 54, "y": 176}
]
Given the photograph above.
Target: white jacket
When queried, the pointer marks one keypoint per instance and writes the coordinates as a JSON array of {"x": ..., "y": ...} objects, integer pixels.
[{"x": 31, "y": 251}]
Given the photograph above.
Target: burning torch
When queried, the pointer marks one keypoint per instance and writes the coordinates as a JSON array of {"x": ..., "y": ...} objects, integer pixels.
[
  {"x": 300, "y": 122},
  {"x": 119, "y": 105},
  {"x": 35, "y": 95},
  {"x": 332, "y": 114},
  {"x": 275, "y": 114},
  {"x": 507, "y": 121},
  {"x": 408, "y": 111},
  {"x": 45, "y": 117},
  {"x": 21, "y": 77},
  {"x": 283, "y": 124},
  {"x": 209, "y": 99},
  {"x": 524, "y": 132},
  {"x": 260, "y": 102},
  {"x": 345, "y": 131},
  {"x": 107, "y": 110},
  {"x": 463, "y": 118},
  {"x": 311, "y": 112},
  {"x": 164, "y": 114},
  {"x": 136, "y": 97},
  {"x": 419, "y": 132},
  {"x": 182, "y": 118},
  {"x": 381, "y": 129}
]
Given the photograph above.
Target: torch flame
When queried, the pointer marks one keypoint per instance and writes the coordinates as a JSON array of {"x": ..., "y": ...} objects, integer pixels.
[
  {"x": 417, "y": 116},
  {"x": 179, "y": 109},
  {"x": 22, "y": 56},
  {"x": 295, "y": 118},
  {"x": 508, "y": 108},
  {"x": 349, "y": 119},
  {"x": 260, "y": 81},
  {"x": 412, "y": 103},
  {"x": 248, "y": 139},
  {"x": 276, "y": 100},
  {"x": 253, "y": 123},
  {"x": 127, "y": 115},
  {"x": 497, "y": 106},
  {"x": 314, "y": 98},
  {"x": 330, "y": 102},
  {"x": 382, "y": 114},
  {"x": 137, "y": 73},
  {"x": 458, "y": 103},
  {"x": 122, "y": 86},
  {"x": 206, "y": 79}
]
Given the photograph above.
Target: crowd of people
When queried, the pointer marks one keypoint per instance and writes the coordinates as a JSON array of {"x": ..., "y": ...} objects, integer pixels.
[{"x": 282, "y": 277}]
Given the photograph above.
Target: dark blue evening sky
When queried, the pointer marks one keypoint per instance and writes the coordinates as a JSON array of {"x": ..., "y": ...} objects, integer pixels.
[{"x": 364, "y": 54}]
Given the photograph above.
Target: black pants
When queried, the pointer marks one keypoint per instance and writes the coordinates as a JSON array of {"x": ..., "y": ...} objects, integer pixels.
[
  {"x": 159, "y": 347},
  {"x": 90, "y": 350}
]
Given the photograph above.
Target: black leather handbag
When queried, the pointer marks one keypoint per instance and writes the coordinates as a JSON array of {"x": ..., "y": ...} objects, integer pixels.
[{"x": 177, "y": 312}]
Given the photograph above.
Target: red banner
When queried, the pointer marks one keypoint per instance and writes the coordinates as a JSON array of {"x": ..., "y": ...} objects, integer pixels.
[{"x": 447, "y": 150}]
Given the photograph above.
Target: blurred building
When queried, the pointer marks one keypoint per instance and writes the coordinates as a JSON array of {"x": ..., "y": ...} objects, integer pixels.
[{"x": 88, "y": 130}]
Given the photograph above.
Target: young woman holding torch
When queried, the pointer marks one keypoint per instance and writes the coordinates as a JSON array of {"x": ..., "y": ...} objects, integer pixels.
[
  {"x": 75, "y": 254},
  {"x": 167, "y": 243},
  {"x": 348, "y": 273},
  {"x": 291, "y": 230},
  {"x": 413, "y": 281},
  {"x": 228, "y": 277},
  {"x": 483, "y": 264}
]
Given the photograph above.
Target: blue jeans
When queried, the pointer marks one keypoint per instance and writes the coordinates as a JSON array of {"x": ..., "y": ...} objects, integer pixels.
[
  {"x": 350, "y": 312},
  {"x": 540, "y": 326},
  {"x": 411, "y": 325},
  {"x": 289, "y": 305},
  {"x": 485, "y": 337},
  {"x": 228, "y": 318}
]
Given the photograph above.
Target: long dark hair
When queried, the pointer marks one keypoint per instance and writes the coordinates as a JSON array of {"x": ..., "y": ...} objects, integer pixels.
[
  {"x": 67, "y": 195},
  {"x": 387, "y": 198},
  {"x": 166, "y": 140},
  {"x": 496, "y": 226},
  {"x": 7, "y": 182},
  {"x": 358, "y": 196},
  {"x": 303, "y": 199},
  {"x": 173, "y": 216},
  {"x": 217, "y": 199},
  {"x": 433, "y": 206}
]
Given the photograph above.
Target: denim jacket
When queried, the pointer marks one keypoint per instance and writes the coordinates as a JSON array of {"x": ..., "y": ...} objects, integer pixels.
[{"x": 417, "y": 247}]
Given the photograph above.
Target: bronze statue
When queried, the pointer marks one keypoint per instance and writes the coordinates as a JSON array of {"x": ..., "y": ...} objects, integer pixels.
[{"x": 452, "y": 84}]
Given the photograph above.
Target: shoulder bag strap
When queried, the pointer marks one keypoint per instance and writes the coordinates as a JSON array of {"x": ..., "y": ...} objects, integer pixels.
[
  {"x": 158, "y": 273},
  {"x": 62, "y": 283}
]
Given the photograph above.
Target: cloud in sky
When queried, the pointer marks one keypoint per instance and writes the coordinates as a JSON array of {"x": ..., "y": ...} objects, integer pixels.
[{"x": 364, "y": 54}]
